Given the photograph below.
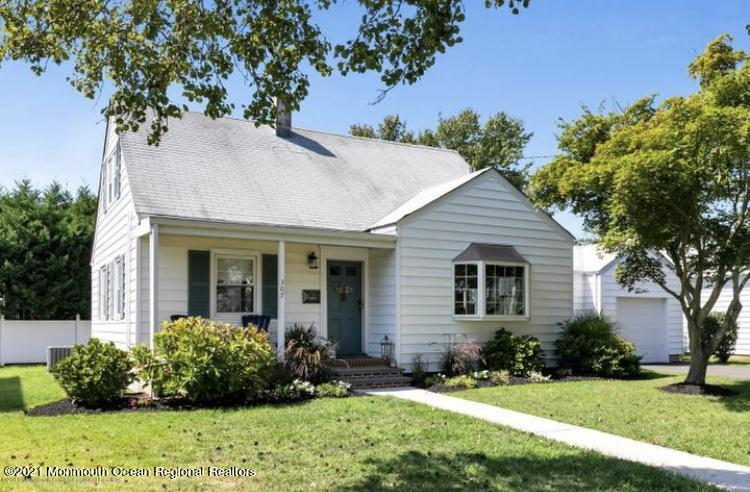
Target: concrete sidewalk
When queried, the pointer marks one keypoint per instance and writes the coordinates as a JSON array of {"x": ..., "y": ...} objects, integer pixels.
[{"x": 716, "y": 472}]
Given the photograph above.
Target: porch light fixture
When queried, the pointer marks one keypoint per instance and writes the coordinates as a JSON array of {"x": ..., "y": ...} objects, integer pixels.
[
  {"x": 312, "y": 260},
  {"x": 386, "y": 348}
]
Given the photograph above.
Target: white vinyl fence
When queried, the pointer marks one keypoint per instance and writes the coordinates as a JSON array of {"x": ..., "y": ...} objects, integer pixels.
[{"x": 26, "y": 342}]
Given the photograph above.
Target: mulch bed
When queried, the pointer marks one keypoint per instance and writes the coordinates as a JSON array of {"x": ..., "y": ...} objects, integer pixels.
[
  {"x": 514, "y": 381},
  {"x": 696, "y": 389},
  {"x": 67, "y": 407}
]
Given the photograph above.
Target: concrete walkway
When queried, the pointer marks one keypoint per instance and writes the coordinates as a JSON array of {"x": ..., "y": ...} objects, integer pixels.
[
  {"x": 719, "y": 473},
  {"x": 735, "y": 371}
]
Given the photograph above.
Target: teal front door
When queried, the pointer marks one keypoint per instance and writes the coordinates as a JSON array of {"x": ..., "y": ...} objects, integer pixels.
[{"x": 344, "y": 299}]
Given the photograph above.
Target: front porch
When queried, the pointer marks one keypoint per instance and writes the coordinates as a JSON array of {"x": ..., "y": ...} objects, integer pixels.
[{"x": 342, "y": 283}]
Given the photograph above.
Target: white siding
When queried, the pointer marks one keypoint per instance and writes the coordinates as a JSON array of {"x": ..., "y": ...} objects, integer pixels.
[
  {"x": 114, "y": 237},
  {"x": 743, "y": 334},
  {"x": 611, "y": 290},
  {"x": 486, "y": 210},
  {"x": 173, "y": 282},
  {"x": 584, "y": 291},
  {"x": 382, "y": 299},
  {"x": 601, "y": 291}
]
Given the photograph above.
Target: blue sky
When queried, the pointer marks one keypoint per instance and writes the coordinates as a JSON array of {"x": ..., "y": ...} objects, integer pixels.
[{"x": 538, "y": 66}]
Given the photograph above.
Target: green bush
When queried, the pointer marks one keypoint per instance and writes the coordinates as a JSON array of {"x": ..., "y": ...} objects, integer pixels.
[
  {"x": 336, "y": 389},
  {"x": 418, "y": 373},
  {"x": 589, "y": 346},
  {"x": 711, "y": 326},
  {"x": 308, "y": 356},
  {"x": 518, "y": 355},
  {"x": 207, "y": 362},
  {"x": 95, "y": 374},
  {"x": 461, "y": 382},
  {"x": 499, "y": 378}
]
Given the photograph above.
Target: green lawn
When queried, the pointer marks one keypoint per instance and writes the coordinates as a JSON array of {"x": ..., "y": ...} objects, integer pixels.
[
  {"x": 349, "y": 444},
  {"x": 709, "y": 426}
]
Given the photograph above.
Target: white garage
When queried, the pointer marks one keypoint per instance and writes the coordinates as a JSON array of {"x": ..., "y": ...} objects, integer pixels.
[
  {"x": 647, "y": 316},
  {"x": 642, "y": 321}
]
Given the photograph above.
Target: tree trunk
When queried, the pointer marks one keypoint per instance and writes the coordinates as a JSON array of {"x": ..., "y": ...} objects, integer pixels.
[
  {"x": 698, "y": 356},
  {"x": 698, "y": 366}
]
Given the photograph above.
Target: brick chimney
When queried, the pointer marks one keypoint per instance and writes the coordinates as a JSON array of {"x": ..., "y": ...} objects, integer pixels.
[{"x": 283, "y": 120}]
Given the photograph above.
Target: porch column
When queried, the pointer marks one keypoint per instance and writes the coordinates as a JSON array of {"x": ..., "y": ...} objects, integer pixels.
[
  {"x": 281, "y": 308},
  {"x": 153, "y": 281}
]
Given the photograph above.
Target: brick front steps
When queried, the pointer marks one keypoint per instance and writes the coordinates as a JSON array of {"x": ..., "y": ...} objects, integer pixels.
[{"x": 369, "y": 372}]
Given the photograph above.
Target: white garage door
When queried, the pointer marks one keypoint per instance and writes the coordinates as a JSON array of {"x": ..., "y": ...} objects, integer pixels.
[{"x": 643, "y": 322}]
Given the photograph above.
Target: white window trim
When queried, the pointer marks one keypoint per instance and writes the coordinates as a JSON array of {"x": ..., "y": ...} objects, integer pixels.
[
  {"x": 111, "y": 189},
  {"x": 102, "y": 293},
  {"x": 120, "y": 287},
  {"x": 109, "y": 287},
  {"x": 482, "y": 294},
  {"x": 117, "y": 178},
  {"x": 479, "y": 305},
  {"x": 234, "y": 253}
]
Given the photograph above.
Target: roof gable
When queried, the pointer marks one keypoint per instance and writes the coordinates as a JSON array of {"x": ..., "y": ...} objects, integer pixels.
[{"x": 504, "y": 186}]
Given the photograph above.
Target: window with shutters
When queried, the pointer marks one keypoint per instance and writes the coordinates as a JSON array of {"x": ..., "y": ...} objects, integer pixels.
[{"x": 235, "y": 287}]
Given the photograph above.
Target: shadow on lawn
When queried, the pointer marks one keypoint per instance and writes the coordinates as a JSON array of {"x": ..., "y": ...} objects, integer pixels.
[
  {"x": 11, "y": 394},
  {"x": 476, "y": 471},
  {"x": 740, "y": 402}
]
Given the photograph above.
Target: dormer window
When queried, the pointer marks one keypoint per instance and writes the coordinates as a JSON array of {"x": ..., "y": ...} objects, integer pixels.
[{"x": 490, "y": 282}]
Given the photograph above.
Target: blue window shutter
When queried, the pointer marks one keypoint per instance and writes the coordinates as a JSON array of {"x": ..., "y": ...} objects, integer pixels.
[
  {"x": 270, "y": 285},
  {"x": 199, "y": 278}
]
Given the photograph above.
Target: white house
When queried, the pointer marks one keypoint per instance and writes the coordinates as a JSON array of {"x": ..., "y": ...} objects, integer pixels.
[
  {"x": 363, "y": 238},
  {"x": 647, "y": 316},
  {"x": 743, "y": 320}
]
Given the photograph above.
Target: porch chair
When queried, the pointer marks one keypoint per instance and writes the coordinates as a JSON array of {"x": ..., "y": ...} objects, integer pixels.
[{"x": 262, "y": 321}]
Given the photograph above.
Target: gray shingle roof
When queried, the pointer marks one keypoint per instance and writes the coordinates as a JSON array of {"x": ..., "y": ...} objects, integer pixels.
[{"x": 228, "y": 170}]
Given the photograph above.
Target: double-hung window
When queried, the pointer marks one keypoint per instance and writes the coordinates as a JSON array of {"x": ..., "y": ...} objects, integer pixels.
[
  {"x": 235, "y": 284},
  {"x": 120, "y": 287},
  {"x": 490, "y": 282}
]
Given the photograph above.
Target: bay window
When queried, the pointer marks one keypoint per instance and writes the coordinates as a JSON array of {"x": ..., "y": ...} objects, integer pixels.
[
  {"x": 490, "y": 282},
  {"x": 465, "y": 284}
]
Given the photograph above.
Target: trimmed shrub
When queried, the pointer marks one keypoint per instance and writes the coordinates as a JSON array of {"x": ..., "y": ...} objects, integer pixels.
[
  {"x": 461, "y": 382},
  {"x": 335, "y": 389},
  {"x": 518, "y": 355},
  {"x": 308, "y": 356},
  {"x": 711, "y": 326},
  {"x": 461, "y": 358},
  {"x": 500, "y": 378},
  {"x": 95, "y": 374},
  {"x": 207, "y": 362},
  {"x": 589, "y": 346}
]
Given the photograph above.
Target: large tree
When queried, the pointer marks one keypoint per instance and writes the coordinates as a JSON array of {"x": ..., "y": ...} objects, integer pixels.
[
  {"x": 146, "y": 48},
  {"x": 498, "y": 142},
  {"x": 673, "y": 178},
  {"x": 45, "y": 251}
]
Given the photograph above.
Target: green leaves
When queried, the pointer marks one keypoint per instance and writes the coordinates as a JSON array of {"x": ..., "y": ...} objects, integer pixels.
[
  {"x": 95, "y": 374},
  {"x": 498, "y": 143},
  {"x": 672, "y": 178},
  {"x": 149, "y": 49},
  {"x": 45, "y": 250}
]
